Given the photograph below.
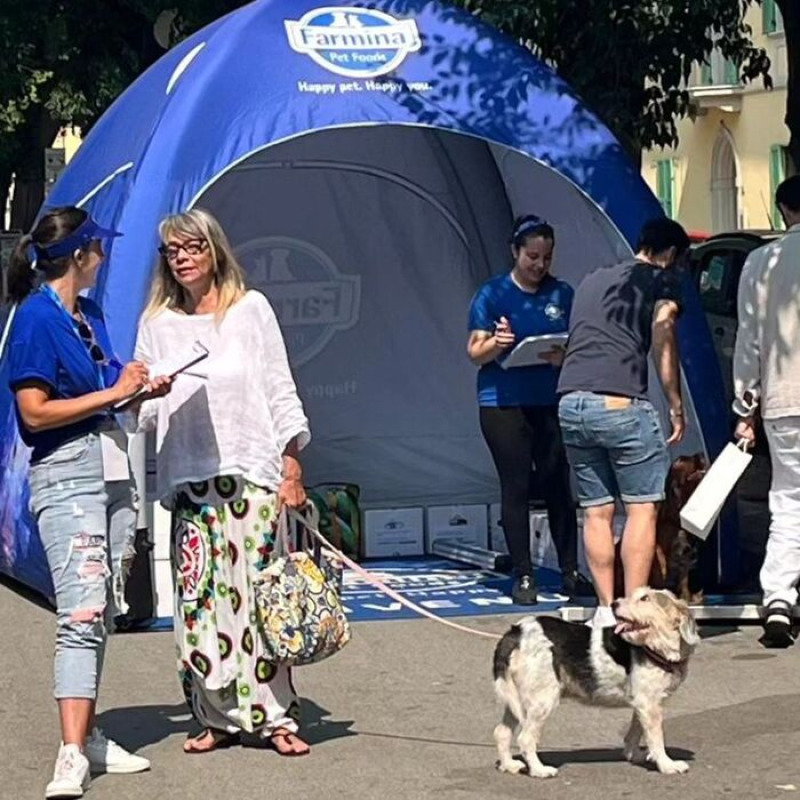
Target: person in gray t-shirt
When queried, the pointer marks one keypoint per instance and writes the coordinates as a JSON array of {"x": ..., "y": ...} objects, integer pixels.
[{"x": 611, "y": 431}]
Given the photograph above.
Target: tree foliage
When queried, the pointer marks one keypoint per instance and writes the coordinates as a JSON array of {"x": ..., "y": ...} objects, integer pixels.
[
  {"x": 63, "y": 62},
  {"x": 631, "y": 60}
]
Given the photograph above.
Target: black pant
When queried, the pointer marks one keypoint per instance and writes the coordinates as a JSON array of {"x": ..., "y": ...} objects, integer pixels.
[{"x": 519, "y": 437}]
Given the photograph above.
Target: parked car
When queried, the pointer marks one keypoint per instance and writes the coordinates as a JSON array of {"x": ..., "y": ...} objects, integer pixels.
[{"x": 716, "y": 265}]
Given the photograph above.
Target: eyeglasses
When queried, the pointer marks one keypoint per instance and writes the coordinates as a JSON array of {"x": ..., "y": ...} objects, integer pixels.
[
  {"x": 192, "y": 247},
  {"x": 87, "y": 337}
]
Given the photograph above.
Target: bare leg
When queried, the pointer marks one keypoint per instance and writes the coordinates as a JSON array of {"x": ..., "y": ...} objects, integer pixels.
[
  {"x": 77, "y": 716},
  {"x": 639, "y": 544},
  {"x": 503, "y": 734},
  {"x": 598, "y": 538},
  {"x": 651, "y": 717}
]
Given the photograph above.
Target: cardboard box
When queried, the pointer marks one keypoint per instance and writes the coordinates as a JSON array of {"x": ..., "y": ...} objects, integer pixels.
[
  {"x": 160, "y": 525},
  {"x": 497, "y": 536},
  {"x": 463, "y": 524},
  {"x": 393, "y": 532},
  {"x": 164, "y": 588},
  {"x": 543, "y": 551}
]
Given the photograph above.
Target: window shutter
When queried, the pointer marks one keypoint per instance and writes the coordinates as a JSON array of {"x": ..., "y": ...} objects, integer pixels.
[
  {"x": 771, "y": 15},
  {"x": 777, "y": 174},
  {"x": 731, "y": 72},
  {"x": 665, "y": 185}
]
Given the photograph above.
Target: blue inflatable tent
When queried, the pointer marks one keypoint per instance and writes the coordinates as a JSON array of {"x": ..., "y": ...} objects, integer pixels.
[{"x": 366, "y": 161}]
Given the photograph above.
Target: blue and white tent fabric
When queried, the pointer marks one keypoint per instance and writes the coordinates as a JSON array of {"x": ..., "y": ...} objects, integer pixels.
[{"x": 367, "y": 160}]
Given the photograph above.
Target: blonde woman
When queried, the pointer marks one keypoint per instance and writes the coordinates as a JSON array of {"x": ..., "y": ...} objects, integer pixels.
[{"x": 227, "y": 437}]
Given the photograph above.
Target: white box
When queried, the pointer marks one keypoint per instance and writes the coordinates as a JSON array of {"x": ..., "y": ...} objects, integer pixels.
[
  {"x": 160, "y": 525},
  {"x": 164, "y": 588},
  {"x": 463, "y": 524},
  {"x": 497, "y": 536},
  {"x": 543, "y": 551},
  {"x": 393, "y": 532}
]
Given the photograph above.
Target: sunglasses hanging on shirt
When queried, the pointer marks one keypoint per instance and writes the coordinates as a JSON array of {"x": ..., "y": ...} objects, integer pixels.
[{"x": 87, "y": 337}]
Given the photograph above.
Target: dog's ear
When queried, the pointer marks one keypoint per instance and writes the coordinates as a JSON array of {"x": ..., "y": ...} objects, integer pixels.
[
  {"x": 688, "y": 629},
  {"x": 664, "y": 598}
]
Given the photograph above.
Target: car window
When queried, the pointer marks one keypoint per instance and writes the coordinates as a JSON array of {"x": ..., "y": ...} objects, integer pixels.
[{"x": 718, "y": 281}]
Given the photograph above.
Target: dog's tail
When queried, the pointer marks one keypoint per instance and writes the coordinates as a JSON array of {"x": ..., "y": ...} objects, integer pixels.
[{"x": 505, "y": 686}]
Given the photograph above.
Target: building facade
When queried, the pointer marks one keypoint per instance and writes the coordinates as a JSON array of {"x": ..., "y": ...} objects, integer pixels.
[{"x": 722, "y": 175}]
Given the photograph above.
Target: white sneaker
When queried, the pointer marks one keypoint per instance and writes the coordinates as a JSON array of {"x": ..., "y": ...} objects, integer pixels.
[
  {"x": 71, "y": 775},
  {"x": 105, "y": 755}
]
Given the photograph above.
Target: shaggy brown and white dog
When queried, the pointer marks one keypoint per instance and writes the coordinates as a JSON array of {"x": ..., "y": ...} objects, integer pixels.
[{"x": 638, "y": 663}]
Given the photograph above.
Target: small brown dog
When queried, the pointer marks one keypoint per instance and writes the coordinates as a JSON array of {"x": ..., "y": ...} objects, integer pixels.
[{"x": 676, "y": 550}]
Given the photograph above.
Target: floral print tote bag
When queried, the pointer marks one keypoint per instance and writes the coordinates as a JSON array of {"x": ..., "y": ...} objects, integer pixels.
[{"x": 299, "y": 602}]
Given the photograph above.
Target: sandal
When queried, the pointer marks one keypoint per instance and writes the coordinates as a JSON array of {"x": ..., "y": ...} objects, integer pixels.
[
  {"x": 212, "y": 739},
  {"x": 285, "y": 736}
]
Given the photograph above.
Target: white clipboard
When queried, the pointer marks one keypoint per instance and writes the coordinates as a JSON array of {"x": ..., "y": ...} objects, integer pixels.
[
  {"x": 170, "y": 367},
  {"x": 530, "y": 351}
]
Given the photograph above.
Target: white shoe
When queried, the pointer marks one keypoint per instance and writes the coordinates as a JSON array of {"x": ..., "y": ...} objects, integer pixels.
[
  {"x": 105, "y": 755},
  {"x": 71, "y": 775},
  {"x": 603, "y": 618}
]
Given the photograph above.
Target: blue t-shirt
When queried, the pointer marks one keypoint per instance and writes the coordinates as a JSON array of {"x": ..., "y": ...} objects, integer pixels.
[
  {"x": 546, "y": 310},
  {"x": 44, "y": 346}
]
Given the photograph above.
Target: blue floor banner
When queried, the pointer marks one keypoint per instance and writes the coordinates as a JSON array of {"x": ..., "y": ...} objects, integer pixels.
[
  {"x": 443, "y": 587},
  {"x": 446, "y": 588},
  {"x": 449, "y": 589}
]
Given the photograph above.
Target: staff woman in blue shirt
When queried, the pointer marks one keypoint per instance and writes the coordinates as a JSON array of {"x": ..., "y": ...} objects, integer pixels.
[
  {"x": 518, "y": 406},
  {"x": 65, "y": 384}
]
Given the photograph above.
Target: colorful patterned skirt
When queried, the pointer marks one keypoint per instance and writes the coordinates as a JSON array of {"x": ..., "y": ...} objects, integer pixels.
[{"x": 223, "y": 535}]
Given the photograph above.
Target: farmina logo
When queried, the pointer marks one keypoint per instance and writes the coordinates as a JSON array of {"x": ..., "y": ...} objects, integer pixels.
[
  {"x": 354, "y": 42},
  {"x": 312, "y": 299},
  {"x": 553, "y": 312}
]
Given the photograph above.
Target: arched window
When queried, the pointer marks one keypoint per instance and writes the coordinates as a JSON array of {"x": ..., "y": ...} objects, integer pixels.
[{"x": 724, "y": 185}]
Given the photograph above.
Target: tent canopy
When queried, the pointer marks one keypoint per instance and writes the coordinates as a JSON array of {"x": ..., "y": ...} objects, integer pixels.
[{"x": 367, "y": 164}]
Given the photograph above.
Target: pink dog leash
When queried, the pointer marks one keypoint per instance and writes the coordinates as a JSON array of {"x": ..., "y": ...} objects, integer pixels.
[{"x": 381, "y": 586}]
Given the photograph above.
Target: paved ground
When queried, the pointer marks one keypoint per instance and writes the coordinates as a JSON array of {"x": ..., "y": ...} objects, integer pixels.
[{"x": 407, "y": 712}]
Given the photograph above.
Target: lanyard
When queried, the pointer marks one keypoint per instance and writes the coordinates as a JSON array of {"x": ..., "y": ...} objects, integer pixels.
[{"x": 50, "y": 293}]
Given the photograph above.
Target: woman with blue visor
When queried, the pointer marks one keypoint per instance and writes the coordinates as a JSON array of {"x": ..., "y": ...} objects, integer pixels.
[{"x": 66, "y": 385}]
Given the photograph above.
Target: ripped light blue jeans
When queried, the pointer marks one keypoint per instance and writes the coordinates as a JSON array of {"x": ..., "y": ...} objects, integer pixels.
[{"x": 87, "y": 527}]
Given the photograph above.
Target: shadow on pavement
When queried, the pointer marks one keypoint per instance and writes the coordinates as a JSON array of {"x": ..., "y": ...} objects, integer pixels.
[
  {"x": 317, "y": 727},
  {"x": 138, "y": 726},
  {"x": 604, "y": 755}
]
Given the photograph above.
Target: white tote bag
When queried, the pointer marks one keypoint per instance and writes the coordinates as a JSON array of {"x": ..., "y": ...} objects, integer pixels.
[{"x": 702, "y": 509}]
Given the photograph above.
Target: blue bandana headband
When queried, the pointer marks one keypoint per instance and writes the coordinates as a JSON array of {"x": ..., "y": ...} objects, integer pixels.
[{"x": 87, "y": 232}]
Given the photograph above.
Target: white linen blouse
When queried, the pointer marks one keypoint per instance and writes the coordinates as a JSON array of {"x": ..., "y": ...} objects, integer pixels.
[{"x": 233, "y": 413}]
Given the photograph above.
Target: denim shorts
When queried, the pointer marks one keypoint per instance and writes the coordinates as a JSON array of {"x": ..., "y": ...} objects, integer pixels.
[{"x": 615, "y": 447}]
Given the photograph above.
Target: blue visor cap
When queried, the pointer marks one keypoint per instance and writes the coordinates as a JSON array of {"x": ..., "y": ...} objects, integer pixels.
[{"x": 88, "y": 231}]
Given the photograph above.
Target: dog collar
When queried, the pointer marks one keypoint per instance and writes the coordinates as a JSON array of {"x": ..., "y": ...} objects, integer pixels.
[{"x": 664, "y": 663}]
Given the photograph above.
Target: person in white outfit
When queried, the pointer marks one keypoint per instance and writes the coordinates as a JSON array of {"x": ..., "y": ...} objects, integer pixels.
[
  {"x": 228, "y": 438},
  {"x": 766, "y": 374}
]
